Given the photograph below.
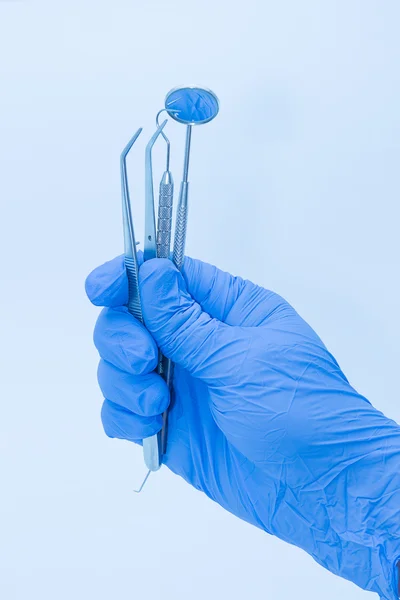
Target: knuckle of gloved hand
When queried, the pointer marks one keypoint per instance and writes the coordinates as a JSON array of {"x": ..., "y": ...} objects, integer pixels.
[
  {"x": 145, "y": 395},
  {"x": 124, "y": 342},
  {"x": 156, "y": 279},
  {"x": 153, "y": 398},
  {"x": 162, "y": 288},
  {"x": 121, "y": 423},
  {"x": 156, "y": 271},
  {"x": 182, "y": 333}
]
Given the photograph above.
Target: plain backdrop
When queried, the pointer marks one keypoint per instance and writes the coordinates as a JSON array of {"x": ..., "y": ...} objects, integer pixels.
[{"x": 295, "y": 186}]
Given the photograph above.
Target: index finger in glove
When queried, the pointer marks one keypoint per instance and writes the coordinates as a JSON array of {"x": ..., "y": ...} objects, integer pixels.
[{"x": 223, "y": 296}]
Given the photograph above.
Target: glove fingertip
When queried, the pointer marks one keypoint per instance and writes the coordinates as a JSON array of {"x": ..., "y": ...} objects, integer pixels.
[
  {"x": 156, "y": 269},
  {"x": 107, "y": 285}
]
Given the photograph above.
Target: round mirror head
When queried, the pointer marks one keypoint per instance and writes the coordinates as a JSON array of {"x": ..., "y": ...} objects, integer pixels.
[{"x": 192, "y": 105}]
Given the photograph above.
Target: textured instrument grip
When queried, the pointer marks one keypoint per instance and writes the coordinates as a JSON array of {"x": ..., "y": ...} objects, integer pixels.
[
  {"x": 134, "y": 305},
  {"x": 164, "y": 224},
  {"x": 181, "y": 225},
  {"x": 164, "y": 228}
]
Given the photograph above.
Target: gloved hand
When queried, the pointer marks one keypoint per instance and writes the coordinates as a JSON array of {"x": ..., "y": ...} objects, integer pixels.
[{"x": 262, "y": 420}]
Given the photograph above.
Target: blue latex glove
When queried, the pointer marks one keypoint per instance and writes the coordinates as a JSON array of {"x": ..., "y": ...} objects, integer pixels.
[{"x": 263, "y": 420}]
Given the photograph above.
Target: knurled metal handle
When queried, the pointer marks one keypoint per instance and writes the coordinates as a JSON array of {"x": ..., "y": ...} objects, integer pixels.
[
  {"x": 164, "y": 223},
  {"x": 181, "y": 225}
]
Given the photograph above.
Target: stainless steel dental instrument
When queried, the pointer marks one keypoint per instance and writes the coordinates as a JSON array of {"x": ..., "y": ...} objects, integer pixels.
[
  {"x": 165, "y": 200},
  {"x": 150, "y": 241},
  {"x": 182, "y": 210},
  {"x": 191, "y": 105},
  {"x": 152, "y": 448},
  {"x": 164, "y": 229},
  {"x": 151, "y": 445},
  {"x": 131, "y": 261}
]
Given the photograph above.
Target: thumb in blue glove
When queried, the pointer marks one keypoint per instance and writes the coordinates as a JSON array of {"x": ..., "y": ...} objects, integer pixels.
[{"x": 262, "y": 419}]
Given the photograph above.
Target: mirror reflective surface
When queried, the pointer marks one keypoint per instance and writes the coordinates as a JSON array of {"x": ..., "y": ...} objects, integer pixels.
[{"x": 192, "y": 105}]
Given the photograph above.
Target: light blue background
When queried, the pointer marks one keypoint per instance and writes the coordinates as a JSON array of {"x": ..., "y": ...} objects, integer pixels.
[{"x": 295, "y": 185}]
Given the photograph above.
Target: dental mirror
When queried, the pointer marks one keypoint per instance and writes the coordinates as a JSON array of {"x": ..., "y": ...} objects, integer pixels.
[{"x": 190, "y": 105}]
